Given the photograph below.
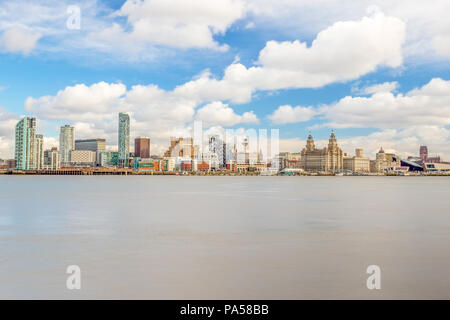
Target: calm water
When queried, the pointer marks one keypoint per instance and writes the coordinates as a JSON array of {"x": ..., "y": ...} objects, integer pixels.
[{"x": 224, "y": 237}]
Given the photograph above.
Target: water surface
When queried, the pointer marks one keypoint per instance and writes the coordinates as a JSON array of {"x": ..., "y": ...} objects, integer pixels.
[{"x": 164, "y": 237}]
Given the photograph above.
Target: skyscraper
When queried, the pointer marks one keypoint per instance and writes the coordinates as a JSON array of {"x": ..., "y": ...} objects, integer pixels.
[
  {"x": 124, "y": 138},
  {"x": 39, "y": 151},
  {"x": 66, "y": 142},
  {"x": 25, "y": 144},
  {"x": 142, "y": 147}
]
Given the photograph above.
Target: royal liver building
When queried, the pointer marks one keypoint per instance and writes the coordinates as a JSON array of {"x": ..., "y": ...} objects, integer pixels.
[{"x": 328, "y": 159}]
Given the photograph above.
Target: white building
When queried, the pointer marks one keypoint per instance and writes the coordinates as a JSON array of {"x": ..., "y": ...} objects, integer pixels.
[
  {"x": 83, "y": 157},
  {"x": 39, "y": 151}
]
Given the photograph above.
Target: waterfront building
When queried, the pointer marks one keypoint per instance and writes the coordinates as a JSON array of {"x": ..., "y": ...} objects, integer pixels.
[
  {"x": 150, "y": 165},
  {"x": 180, "y": 147},
  {"x": 203, "y": 166},
  {"x": 358, "y": 163},
  {"x": 289, "y": 160},
  {"x": 436, "y": 167},
  {"x": 108, "y": 159},
  {"x": 3, "y": 165},
  {"x": 25, "y": 144},
  {"x": 83, "y": 158},
  {"x": 384, "y": 162},
  {"x": 39, "y": 151},
  {"x": 124, "y": 139},
  {"x": 142, "y": 147},
  {"x": 52, "y": 159},
  {"x": 66, "y": 142},
  {"x": 328, "y": 159},
  {"x": 231, "y": 165},
  {"x": 95, "y": 145},
  {"x": 11, "y": 163},
  {"x": 211, "y": 158},
  {"x": 186, "y": 165},
  {"x": 171, "y": 163}
]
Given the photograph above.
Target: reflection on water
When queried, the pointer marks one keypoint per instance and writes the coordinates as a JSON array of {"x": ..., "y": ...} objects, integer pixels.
[{"x": 224, "y": 237}]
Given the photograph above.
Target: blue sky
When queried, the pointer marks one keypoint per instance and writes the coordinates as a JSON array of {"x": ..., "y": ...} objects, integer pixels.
[{"x": 374, "y": 72}]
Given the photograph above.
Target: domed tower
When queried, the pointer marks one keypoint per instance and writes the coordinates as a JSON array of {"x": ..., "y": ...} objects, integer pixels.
[
  {"x": 381, "y": 155},
  {"x": 332, "y": 142},
  {"x": 310, "y": 143},
  {"x": 334, "y": 155}
]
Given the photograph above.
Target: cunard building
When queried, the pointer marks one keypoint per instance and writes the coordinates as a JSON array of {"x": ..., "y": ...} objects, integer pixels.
[{"x": 328, "y": 159}]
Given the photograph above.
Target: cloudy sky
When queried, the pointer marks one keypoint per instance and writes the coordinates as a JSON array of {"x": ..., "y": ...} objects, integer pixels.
[{"x": 377, "y": 72}]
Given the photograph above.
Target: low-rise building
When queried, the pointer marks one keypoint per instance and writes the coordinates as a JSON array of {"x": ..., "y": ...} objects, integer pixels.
[
  {"x": 384, "y": 161},
  {"x": 203, "y": 166},
  {"x": 358, "y": 163},
  {"x": 289, "y": 160},
  {"x": 52, "y": 159},
  {"x": 436, "y": 167},
  {"x": 108, "y": 159},
  {"x": 82, "y": 158},
  {"x": 149, "y": 165},
  {"x": 186, "y": 165}
]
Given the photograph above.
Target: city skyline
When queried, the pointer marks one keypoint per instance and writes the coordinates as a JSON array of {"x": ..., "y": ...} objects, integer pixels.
[
  {"x": 67, "y": 136},
  {"x": 231, "y": 151},
  {"x": 397, "y": 96}
]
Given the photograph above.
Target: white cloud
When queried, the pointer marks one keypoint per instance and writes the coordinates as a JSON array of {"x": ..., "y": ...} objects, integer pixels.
[
  {"x": 50, "y": 142},
  {"x": 18, "y": 40},
  {"x": 442, "y": 45},
  {"x": 381, "y": 87},
  {"x": 78, "y": 102},
  {"x": 7, "y": 126},
  {"x": 427, "y": 25},
  {"x": 250, "y": 25},
  {"x": 288, "y": 114},
  {"x": 220, "y": 114},
  {"x": 428, "y": 105},
  {"x": 358, "y": 47},
  {"x": 133, "y": 31},
  {"x": 176, "y": 23}
]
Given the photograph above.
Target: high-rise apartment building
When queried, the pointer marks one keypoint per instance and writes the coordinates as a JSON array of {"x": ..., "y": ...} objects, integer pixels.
[
  {"x": 25, "y": 144},
  {"x": 142, "y": 147},
  {"x": 66, "y": 142},
  {"x": 39, "y": 151},
  {"x": 124, "y": 138}
]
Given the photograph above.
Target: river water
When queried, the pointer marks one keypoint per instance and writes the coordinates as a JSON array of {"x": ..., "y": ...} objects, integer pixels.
[{"x": 182, "y": 237}]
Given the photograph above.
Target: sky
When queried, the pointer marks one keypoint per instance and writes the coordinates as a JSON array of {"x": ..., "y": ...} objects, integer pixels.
[{"x": 376, "y": 72}]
